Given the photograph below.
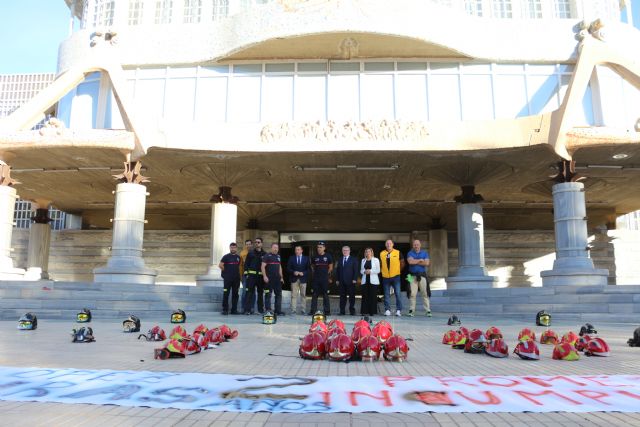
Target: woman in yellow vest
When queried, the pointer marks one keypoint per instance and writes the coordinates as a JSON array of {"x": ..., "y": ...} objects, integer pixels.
[{"x": 391, "y": 265}]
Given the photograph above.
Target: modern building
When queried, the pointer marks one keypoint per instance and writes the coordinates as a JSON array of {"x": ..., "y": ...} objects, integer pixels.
[{"x": 460, "y": 122}]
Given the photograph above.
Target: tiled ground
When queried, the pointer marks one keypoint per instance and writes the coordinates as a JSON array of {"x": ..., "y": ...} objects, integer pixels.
[{"x": 50, "y": 346}]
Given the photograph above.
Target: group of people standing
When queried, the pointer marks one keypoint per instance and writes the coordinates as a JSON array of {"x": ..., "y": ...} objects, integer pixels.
[{"x": 261, "y": 275}]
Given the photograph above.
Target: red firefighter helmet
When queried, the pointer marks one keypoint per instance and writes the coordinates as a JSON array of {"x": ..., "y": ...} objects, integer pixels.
[
  {"x": 396, "y": 349},
  {"x": 215, "y": 336},
  {"x": 565, "y": 351},
  {"x": 174, "y": 349},
  {"x": 202, "y": 340},
  {"x": 335, "y": 331},
  {"x": 383, "y": 323},
  {"x": 497, "y": 348},
  {"x": 178, "y": 333},
  {"x": 570, "y": 337},
  {"x": 156, "y": 334},
  {"x": 362, "y": 323},
  {"x": 318, "y": 326},
  {"x": 527, "y": 350},
  {"x": 200, "y": 330},
  {"x": 526, "y": 334},
  {"x": 583, "y": 342},
  {"x": 228, "y": 333},
  {"x": 192, "y": 346},
  {"x": 369, "y": 348},
  {"x": 313, "y": 346},
  {"x": 382, "y": 332},
  {"x": 336, "y": 322},
  {"x": 475, "y": 343},
  {"x": 549, "y": 337},
  {"x": 464, "y": 331},
  {"x": 493, "y": 333},
  {"x": 449, "y": 337},
  {"x": 359, "y": 333},
  {"x": 340, "y": 348},
  {"x": 597, "y": 347},
  {"x": 459, "y": 341}
]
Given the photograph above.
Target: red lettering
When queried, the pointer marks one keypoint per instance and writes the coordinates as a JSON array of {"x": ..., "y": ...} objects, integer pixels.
[
  {"x": 628, "y": 394},
  {"x": 326, "y": 397},
  {"x": 595, "y": 378},
  {"x": 492, "y": 399},
  {"x": 384, "y": 397},
  {"x": 527, "y": 395},
  {"x": 433, "y": 397},
  {"x": 446, "y": 380},
  {"x": 391, "y": 381},
  {"x": 592, "y": 394},
  {"x": 545, "y": 381},
  {"x": 508, "y": 382}
]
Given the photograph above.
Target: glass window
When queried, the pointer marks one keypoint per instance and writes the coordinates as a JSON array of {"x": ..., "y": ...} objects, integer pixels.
[
  {"x": 344, "y": 103},
  {"x": 411, "y": 97},
  {"x": 310, "y": 97},
  {"x": 562, "y": 9},
  {"x": 502, "y": 9},
  {"x": 378, "y": 66},
  {"x": 103, "y": 13},
  {"x": 531, "y": 9},
  {"x": 543, "y": 93},
  {"x": 304, "y": 67},
  {"x": 192, "y": 10},
  {"x": 247, "y": 68},
  {"x": 84, "y": 107},
  {"x": 477, "y": 97},
  {"x": 510, "y": 96},
  {"x": 444, "y": 67},
  {"x": 473, "y": 7},
  {"x": 149, "y": 100},
  {"x": 211, "y": 99},
  {"x": 163, "y": 11},
  {"x": 280, "y": 68},
  {"x": 376, "y": 96},
  {"x": 220, "y": 9},
  {"x": 444, "y": 97},
  {"x": 244, "y": 99},
  {"x": 412, "y": 66},
  {"x": 277, "y": 101},
  {"x": 344, "y": 66},
  {"x": 179, "y": 100},
  {"x": 135, "y": 12}
]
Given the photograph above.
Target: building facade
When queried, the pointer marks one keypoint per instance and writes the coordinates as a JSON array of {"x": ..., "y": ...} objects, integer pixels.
[{"x": 347, "y": 118}]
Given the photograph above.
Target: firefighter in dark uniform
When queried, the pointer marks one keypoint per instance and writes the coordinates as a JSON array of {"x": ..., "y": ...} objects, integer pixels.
[
  {"x": 252, "y": 269},
  {"x": 230, "y": 266},
  {"x": 272, "y": 276},
  {"x": 322, "y": 266}
]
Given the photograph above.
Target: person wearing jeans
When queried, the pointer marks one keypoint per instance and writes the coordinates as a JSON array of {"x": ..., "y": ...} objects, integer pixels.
[
  {"x": 419, "y": 262},
  {"x": 391, "y": 265}
]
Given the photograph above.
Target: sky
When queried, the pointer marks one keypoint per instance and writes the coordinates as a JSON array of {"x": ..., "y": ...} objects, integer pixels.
[{"x": 31, "y": 31}]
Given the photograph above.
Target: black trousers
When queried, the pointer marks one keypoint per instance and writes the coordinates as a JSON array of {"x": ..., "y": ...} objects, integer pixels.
[
  {"x": 318, "y": 288},
  {"x": 369, "y": 299},
  {"x": 230, "y": 287},
  {"x": 254, "y": 285},
  {"x": 348, "y": 289},
  {"x": 274, "y": 287}
]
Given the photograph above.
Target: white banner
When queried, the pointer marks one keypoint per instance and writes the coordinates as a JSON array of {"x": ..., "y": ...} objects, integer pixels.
[{"x": 218, "y": 392}]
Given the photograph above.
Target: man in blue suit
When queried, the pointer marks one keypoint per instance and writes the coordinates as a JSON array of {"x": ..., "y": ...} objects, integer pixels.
[
  {"x": 298, "y": 267},
  {"x": 346, "y": 277}
]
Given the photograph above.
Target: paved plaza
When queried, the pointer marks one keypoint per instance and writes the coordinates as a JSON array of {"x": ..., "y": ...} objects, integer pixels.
[{"x": 50, "y": 346}]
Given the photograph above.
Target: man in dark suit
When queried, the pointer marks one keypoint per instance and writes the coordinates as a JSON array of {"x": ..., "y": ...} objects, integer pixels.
[
  {"x": 298, "y": 267},
  {"x": 346, "y": 277}
]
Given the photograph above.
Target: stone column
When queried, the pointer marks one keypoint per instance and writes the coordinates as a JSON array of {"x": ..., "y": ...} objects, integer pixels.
[
  {"x": 572, "y": 265},
  {"x": 471, "y": 271},
  {"x": 39, "y": 244},
  {"x": 439, "y": 253},
  {"x": 8, "y": 196},
  {"x": 126, "y": 264},
  {"x": 224, "y": 218}
]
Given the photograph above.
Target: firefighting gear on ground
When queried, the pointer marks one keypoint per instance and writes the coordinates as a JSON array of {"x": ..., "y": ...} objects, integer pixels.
[
  {"x": 83, "y": 334},
  {"x": 331, "y": 341},
  {"x": 181, "y": 344},
  {"x": 178, "y": 316},
  {"x": 28, "y": 322},
  {"x": 84, "y": 316},
  {"x": 131, "y": 324}
]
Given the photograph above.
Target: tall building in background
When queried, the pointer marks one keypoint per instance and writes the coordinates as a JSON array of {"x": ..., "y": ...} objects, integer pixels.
[
  {"x": 16, "y": 89},
  {"x": 350, "y": 121}
]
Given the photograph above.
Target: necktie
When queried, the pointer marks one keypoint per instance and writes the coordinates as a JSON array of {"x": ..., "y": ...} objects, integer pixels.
[
  {"x": 344, "y": 261},
  {"x": 299, "y": 261}
]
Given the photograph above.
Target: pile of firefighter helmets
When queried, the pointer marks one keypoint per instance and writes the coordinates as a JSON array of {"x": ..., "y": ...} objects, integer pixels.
[
  {"x": 181, "y": 344},
  {"x": 365, "y": 343},
  {"x": 492, "y": 343}
]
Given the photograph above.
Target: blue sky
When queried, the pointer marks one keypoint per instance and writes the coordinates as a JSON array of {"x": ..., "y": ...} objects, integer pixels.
[{"x": 31, "y": 30}]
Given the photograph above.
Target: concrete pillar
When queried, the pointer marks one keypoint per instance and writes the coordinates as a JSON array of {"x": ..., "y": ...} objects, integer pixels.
[
  {"x": 572, "y": 265},
  {"x": 126, "y": 264},
  {"x": 8, "y": 196},
  {"x": 39, "y": 244},
  {"x": 471, "y": 272},
  {"x": 224, "y": 217},
  {"x": 439, "y": 253}
]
